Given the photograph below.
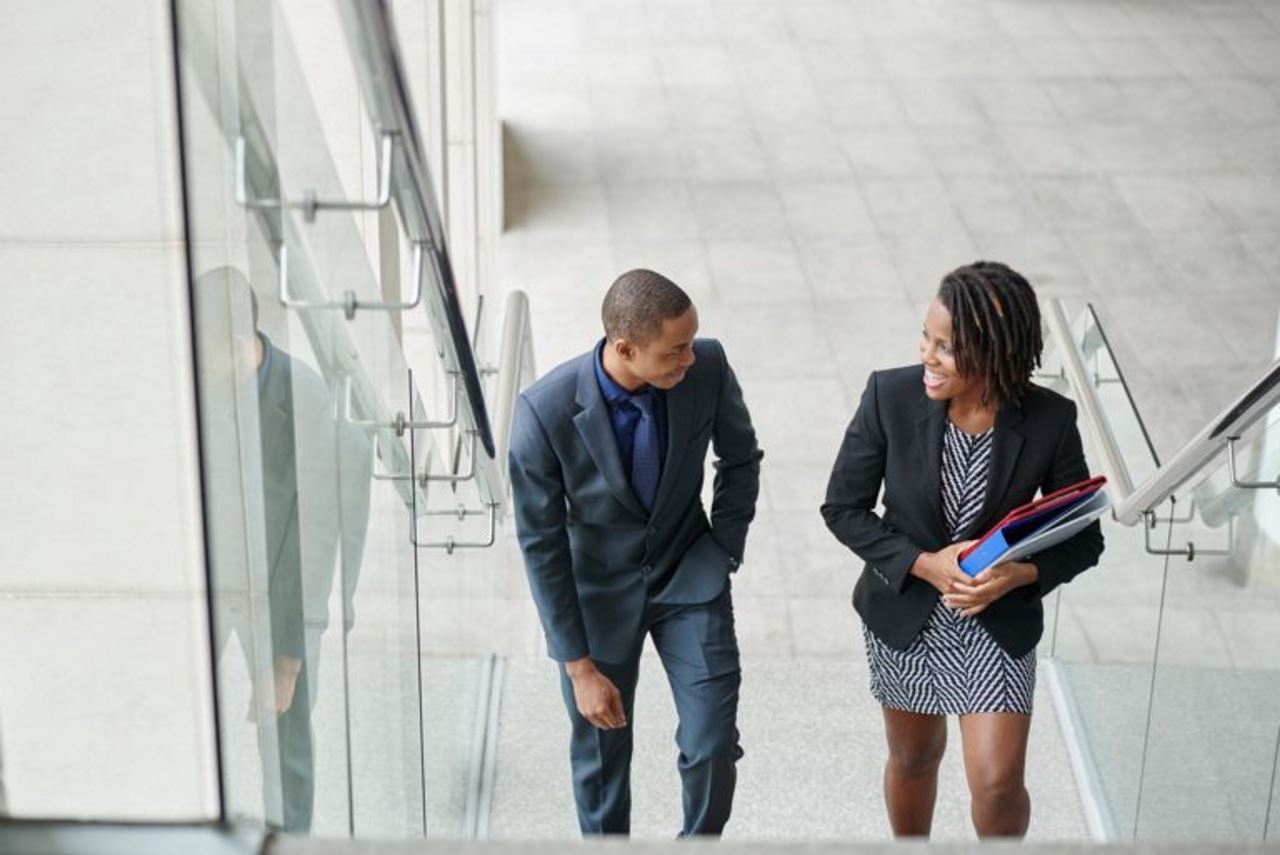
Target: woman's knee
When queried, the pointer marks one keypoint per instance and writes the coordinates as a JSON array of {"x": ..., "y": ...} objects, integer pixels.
[
  {"x": 997, "y": 788},
  {"x": 918, "y": 753},
  {"x": 916, "y": 742},
  {"x": 914, "y": 760}
]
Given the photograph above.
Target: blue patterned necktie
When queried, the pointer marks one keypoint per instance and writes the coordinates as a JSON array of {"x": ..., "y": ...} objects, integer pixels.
[{"x": 645, "y": 463}]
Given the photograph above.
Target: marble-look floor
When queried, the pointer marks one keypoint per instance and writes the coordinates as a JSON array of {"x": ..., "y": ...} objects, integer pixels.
[{"x": 808, "y": 171}]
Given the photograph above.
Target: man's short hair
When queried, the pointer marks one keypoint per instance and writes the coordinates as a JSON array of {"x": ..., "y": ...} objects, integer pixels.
[{"x": 638, "y": 302}]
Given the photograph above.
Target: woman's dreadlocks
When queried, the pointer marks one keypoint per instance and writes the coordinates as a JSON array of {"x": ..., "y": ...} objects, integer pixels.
[{"x": 995, "y": 327}]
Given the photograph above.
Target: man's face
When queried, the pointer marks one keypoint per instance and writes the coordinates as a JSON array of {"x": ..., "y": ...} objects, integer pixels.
[{"x": 663, "y": 361}]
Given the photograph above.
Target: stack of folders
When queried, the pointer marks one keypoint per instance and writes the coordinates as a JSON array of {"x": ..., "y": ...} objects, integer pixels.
[{"x": 1038, "y": 525}]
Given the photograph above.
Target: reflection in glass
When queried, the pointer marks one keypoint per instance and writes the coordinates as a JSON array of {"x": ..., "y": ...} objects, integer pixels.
[
  {"x": 296, "y": 526},
  {"x": 306, "y": 519}
]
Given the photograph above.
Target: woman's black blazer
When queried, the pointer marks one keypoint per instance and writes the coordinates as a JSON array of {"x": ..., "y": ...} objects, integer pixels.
[{"x": 895, "y": 439}]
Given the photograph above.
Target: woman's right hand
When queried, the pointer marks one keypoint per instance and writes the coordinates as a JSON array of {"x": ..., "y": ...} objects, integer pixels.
[{"x": 941, "y": 569}]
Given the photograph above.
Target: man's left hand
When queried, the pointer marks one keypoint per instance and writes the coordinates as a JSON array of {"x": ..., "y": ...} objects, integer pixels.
[
  {"x": 287, "y": 670},
  {"x": 992, "y": 584}
]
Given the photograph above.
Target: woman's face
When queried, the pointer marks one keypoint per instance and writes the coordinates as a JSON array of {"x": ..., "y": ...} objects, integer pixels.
[{"x": 942, "y": 379}]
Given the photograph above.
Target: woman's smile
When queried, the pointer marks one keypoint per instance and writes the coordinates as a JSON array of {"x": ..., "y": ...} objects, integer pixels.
[{"x": 933, "y": 379}]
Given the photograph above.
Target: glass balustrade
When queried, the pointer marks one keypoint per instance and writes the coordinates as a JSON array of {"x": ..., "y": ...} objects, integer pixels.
[
  {"x": 1215, "y": 714},
  {"x": 1102, "y": 626},
  {"x": 323, "y": 464},
  {"x": 1169, "y": 666}
]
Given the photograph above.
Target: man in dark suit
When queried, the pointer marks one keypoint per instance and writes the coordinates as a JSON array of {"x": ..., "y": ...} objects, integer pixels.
[{"x": 607, "y": 456}]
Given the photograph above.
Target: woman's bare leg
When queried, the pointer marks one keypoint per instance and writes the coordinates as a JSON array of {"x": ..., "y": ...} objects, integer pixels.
[
  {"x": 995, "y": 759},
  {"x": 916, "y": 745}
]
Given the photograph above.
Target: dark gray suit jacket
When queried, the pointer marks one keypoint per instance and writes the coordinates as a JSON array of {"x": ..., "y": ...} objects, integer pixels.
[
  {"x": 896, "y": 439},
  {"x": 316, "y": 477},
  {"x": 593, "y": 555}
]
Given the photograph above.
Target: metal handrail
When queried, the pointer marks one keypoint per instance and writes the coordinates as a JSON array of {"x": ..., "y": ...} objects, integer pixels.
[
  {"x": 349, "y": 303},
  {"x": 1131, "y": 503},
  {"x": 1119, "y": 481},
  {"x": 1204, "y": 447},
  {"x": 371, "y": 35},
  {"x": 256, "y": 177},
  {"x": 310, "y": 204},
  {"x": 515, "y": 371}
]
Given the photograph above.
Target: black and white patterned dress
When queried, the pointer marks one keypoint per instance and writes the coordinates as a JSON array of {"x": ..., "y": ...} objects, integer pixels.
[{"x": 954, "y": 666}]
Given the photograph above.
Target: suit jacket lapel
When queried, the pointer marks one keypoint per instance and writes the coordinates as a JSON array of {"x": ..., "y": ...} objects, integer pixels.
[
  {"x": 679, "y": 412},
  {"x": 929, "y": 429},
  {"x": 274, "y": 405},
  {"x": 596, "y": 429},
  {"x": 1006, "y": 444}
]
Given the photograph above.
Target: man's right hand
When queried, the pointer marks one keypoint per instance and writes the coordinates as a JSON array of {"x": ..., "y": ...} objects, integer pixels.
[
  {"x": 598, "y": 700},
  {"x": 941, "y": 569}
]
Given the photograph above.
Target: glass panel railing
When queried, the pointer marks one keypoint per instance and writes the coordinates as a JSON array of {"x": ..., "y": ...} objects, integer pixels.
[
  {"x": 1211, "y": 761},
  {"x": 456, "y": 720},
  {"x": 1103, "y": 625},
  {"x": 382, "y": 643},
  {"x": 1200, "y": 710},
  {"x": 231, "y": 259},
  {"x": 326, "y": 468},
  {"x": 311, "y": 556},
  {"x": 384, "y": 84},
  {"x": 455, "y": 688},
  {"x": 1271, "y": 831},
  {"x": 461, "y": 689}
]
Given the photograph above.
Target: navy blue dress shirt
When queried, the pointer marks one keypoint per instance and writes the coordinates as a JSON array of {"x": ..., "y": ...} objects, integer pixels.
[{"x": 624, "y": 415}]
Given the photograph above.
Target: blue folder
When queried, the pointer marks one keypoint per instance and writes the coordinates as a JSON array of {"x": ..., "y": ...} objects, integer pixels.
[{"x": 1032, "y": 526}]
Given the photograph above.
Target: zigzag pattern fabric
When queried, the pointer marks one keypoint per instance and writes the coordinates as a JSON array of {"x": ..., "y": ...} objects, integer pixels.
[
  {"x": 954, "y": 666},
  {"x": 966, "y": 458}
]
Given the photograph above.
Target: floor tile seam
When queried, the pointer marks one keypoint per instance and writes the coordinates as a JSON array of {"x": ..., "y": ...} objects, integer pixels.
[
  {"x": 1155, "y": 238},
  {"x": 702, "y": 239},
  {"x": 1064, "y": 235},
  {"x": 773, "y": 184},
  {"x": 887, "y": 237}
]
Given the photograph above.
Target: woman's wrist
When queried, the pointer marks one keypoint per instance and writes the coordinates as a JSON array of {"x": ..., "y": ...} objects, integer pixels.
[
  {"x": 1028, "y": 574},
  {"x": 921, "y": 567}
]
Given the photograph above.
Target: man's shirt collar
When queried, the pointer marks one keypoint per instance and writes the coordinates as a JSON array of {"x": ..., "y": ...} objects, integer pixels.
[{"x": 265, "y": 367}]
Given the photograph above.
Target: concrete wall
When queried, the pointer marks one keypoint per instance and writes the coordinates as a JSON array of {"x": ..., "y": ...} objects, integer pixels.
[{"x": 104, "y": 675}]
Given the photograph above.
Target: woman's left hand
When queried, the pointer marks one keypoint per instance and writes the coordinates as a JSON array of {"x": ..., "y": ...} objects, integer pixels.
[{"x": 992, "y": 584}]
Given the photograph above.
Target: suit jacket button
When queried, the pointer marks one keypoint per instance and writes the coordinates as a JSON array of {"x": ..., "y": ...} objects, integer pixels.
[
  {"x": 653, "y": 529},
  {"x": 648, "y": 568}
]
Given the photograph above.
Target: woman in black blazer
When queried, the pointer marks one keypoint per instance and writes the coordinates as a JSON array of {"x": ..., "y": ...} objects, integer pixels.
[{"x": 957, "y": 442}]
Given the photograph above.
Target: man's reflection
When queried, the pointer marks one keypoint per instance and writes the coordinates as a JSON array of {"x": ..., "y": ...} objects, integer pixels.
[
  {"x": 287, "y": 498},
  {"x": 316, "y": 474}
]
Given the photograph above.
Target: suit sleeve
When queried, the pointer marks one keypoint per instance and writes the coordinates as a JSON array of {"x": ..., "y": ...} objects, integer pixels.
[
  {"x": 1062, "y": 562},
  {"x": 737, "y": 465},
  {"x": 284, "y": 594},
  {"x": 537, "y": 487},
  {"x": 852, "y": 492},
  {"x": 284, "y": 587}
]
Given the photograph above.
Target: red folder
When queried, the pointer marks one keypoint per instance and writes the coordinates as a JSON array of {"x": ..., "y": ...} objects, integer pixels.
[{"x": 1027, "y": 520}]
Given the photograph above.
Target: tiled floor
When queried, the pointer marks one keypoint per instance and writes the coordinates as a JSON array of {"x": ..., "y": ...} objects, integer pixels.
[
  {"x": 808, "y": 170},
  {"x": 837, "y": 158}
]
